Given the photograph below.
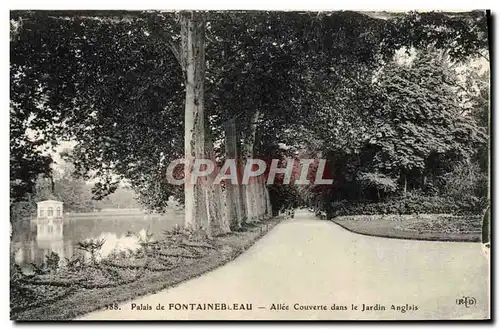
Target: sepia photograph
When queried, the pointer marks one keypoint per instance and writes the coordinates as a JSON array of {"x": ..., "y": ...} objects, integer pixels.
[{"x": 250, "y": 165}]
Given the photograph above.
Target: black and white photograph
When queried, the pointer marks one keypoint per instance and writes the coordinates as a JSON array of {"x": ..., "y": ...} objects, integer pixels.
[{"x": 244, "y": 165}]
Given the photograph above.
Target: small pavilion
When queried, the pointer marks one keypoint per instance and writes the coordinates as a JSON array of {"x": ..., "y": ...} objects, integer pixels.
[
  {"x": 49, "y": 209},
  {"x": 49, "y": 220}
]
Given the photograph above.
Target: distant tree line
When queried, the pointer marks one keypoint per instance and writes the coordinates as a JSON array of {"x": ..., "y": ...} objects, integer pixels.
[{"x": 76, "y": 194}]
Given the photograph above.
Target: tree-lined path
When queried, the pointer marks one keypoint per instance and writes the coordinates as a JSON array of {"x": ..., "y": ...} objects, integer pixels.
[
  {"x": 312, "y": 262},
  {"x": 389, "y": 110}
]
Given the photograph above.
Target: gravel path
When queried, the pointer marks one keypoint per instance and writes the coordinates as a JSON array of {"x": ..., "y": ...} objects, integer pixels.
[{"x": 315, "y": 270}]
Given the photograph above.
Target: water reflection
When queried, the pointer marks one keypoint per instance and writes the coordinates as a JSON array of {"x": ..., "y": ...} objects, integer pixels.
[
  {"x": 48, "y": 238},
  {"x": 114, "y": 243},
  {"x": 33, "y": 240}
]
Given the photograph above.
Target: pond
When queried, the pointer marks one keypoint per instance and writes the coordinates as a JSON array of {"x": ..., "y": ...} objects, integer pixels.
[{"x": 33, "y": 240}]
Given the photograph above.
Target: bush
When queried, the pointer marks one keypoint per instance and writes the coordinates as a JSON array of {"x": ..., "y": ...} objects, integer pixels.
[
  {"x": 21, "y": 210},
  {"x": 378, "y": 181},
  {"x": 411, "y": 204},
  {"x": 52, "y": 261},
  {"x": 465, "y": 179},
  {"x": 92, "y": 246},
  {"x": 468, "y": 186}
]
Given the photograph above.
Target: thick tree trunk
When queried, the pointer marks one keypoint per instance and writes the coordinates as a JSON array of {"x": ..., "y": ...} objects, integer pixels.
[
  {"x": 247, "y": 153},
  {"x": 247, "y": 194},
  {"x": 216, "y": 223},
  {"x": 261, "y": 198},
  {"x": 225, "y": 226},
  {"x": 269, "y": 209},
  {"x": 192, "y": 56},
  {"x": 258, "y": 198},
  {"x": 233, "y": 195},
  {"x": 243, "y": 208}
]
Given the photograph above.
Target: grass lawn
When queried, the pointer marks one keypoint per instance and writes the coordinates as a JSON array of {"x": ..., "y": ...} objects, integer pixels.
[
  {"x": 91, "y": 289},
  {"x": 432, "y": 227}
]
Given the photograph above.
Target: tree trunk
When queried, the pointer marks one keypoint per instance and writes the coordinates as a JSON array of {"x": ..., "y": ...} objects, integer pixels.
[
  {"x": 225, "y": 220},
  {"x": 216, "y": 223},
  {"x": 259, "y": 199},
  {"x": 262, "y": 198},
  {"x": 267, "y": 198},
  {"x": 405, "y": 184},
  {"x": 233, "y": 195},
  {"x": 243, "y": 210},
  {"x": 192, "y": 56},
  {"x": 247, "y": 152}
]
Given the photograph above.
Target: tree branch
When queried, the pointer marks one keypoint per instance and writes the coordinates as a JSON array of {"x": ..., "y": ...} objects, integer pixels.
[{"x": 175, "y": 50}]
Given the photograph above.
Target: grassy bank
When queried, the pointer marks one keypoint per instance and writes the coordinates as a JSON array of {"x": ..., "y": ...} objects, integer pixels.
[
  {"x": 78, "y": 289},
  {"x": 433, "y": 227}
]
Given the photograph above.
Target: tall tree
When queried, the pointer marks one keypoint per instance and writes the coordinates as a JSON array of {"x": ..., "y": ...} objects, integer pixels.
[{"x": 192, "y": 57}]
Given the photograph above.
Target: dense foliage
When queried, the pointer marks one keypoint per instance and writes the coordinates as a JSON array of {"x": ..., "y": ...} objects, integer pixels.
[{"x": 325, "y": 84}]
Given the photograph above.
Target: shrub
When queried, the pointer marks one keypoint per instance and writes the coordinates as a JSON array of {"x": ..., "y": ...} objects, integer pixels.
[
  {"x": 463, "y": 180},
  {"x": 92, "y": 246},
  {"x": 410, "y": 204},
  {"x": 468, "y": 186},
  {"x": 52, "y": 261},
  {"x": 378, "y": 181}
]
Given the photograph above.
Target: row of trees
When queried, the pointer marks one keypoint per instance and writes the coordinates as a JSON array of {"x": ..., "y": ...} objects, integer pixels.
[{"x": 137, "y": 90}]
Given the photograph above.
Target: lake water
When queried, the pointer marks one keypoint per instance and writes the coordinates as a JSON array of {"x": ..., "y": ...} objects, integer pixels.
[{"x": 33, "y": 240}]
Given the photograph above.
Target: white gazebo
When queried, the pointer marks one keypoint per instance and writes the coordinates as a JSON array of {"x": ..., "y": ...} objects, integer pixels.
[{"x": 49, "y": 209}]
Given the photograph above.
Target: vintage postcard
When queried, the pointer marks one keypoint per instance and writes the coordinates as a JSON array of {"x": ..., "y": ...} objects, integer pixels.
[{"x": 249, "y": 165}]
